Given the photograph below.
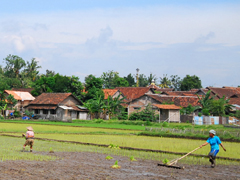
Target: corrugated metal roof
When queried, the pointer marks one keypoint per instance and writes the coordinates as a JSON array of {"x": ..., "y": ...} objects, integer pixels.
[
  {"x": 25, "y": 95},
  {"x": 13, "y": 94}
]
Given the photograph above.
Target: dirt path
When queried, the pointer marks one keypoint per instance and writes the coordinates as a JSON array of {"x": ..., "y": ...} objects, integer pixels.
[{"x": 84, "y": 165}]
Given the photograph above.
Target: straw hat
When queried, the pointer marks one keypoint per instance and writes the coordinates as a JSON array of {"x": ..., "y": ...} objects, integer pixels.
[{"x": 30, "y": 128}]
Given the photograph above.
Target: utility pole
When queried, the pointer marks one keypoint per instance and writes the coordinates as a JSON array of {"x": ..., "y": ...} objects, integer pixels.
[{"x": 137, "y": 77}]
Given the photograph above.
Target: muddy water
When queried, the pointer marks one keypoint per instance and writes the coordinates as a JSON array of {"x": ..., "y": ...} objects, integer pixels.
[{"x": 84, "y": 165}]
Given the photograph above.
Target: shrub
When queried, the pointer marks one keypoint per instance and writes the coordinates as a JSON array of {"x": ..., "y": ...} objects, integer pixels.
[
  {"x": 165, "y": 124},
  {"x": 99, "y": 121},
  {"x": 199, "y": 114},
  {"x": 206, "y": 112},
  {"x": 122, "y": 115},
  {"x": 148, "y": 114},
  {"x": 17, "y": 113},
  {"x": 29, "y": 113}
]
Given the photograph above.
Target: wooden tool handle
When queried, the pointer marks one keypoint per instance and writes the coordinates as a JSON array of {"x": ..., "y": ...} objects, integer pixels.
[{"x": 184, "y": 156}]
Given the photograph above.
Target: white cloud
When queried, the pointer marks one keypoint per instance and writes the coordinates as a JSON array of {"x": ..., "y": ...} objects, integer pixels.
[{"x": 162, "y": 40}]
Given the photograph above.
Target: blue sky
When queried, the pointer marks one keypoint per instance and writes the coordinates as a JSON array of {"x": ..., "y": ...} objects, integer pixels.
[{"x": 82, "y": 37}]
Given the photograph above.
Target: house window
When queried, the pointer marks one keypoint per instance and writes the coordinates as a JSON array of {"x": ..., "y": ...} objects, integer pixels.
[
  {"x": 45, "y": 111},
  {"x": 36, "y": 111},
  {"x": 52, "y": 111},
  {"x": 136, "y": 108}
]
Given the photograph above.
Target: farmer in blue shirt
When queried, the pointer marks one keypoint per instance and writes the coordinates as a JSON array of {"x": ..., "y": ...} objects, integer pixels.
[{"x": 214, "y": 142}]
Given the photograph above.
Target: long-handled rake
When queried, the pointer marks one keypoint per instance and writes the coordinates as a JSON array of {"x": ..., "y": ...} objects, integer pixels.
[{"x": 172, "y": 164}]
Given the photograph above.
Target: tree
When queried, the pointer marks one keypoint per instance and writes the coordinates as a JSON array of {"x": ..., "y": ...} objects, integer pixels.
[
  {"x": 32, "y": 69},
  {"x": 164, "y": 81},
  {"x": 219, "y": 107},
  {"x": 93, "y": 86},
  {"x": 113, "y": 105},
  {"x": 151, "y": 78},
  {"x": 95, "y": 105},
  {"x": 11, "y": 100},
  {"x": 14, "y": 64},
  {"x": 120, "y": 82},
  {"x": 216, "y": 107},
  {"x": 108, "y": 79},
  {"x": 44, "y": 85},
  {"x": 143, "y": 81},
  {"x": 76, "y": 87},
  {"x": 190, "y": 82},
  {"x": 175, "y": 82},
  {"x": 130, "y": 79},
  {"x": 112, "y": 80},
  {"x": 205, "y": 101}
]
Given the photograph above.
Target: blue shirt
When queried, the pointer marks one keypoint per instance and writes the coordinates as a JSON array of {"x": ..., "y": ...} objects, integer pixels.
[{"x": 214, "y": 142}]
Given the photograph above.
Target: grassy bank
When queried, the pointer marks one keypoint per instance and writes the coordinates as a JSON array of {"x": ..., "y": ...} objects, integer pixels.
[{"x": 39, "y": 128}]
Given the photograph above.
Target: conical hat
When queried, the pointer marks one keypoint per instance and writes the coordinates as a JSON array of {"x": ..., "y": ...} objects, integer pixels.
[{"x": 30, "y": 128}]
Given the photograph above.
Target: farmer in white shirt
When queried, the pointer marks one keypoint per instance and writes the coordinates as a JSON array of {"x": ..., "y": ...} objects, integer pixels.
[{"x": 29, "y": 138}]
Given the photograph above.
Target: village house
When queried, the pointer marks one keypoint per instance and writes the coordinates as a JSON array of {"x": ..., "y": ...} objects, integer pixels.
[
  {"x": 168, "y": 112},
  {"x": 23, "y": 98},
  {"x": 58, "y": 106},
  {"x": 173, "y": 104}
]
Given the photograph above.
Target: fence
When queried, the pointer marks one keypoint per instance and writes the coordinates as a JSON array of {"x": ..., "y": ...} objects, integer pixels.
[
  {"x": 193, "y": 131},
  {"x": 186, "y": 118},
  {"x": 210, "y": 120}
]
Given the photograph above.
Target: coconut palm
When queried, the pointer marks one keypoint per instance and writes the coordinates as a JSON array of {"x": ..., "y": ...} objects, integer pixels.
[
  {"x": 13, "y": 65},
  {"x": 32, "y": 69},
  {"x": 165, "y": 82}
]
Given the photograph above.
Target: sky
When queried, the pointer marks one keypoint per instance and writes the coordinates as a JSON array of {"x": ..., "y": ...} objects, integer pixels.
[{"x": 82, "y": 37}]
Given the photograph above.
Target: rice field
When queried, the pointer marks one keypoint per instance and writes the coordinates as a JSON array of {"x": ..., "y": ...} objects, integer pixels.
[
  {"x": 41, "y": 149},
  {"x": 145, "y": 142},
  {"x": 21, "y": 128}
]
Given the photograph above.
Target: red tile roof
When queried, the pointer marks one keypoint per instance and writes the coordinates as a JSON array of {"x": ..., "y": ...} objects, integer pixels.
[
  {"x": 50, "y": 98},
  {"x": 133, "y": 92},
  {"x": 109, "y": 92},
  {"x": 182, "y": 101},
  {"x": 180, "y": 93},
  {"x": 42, "y": 107},
  {"x": 163, "y": 106},
  {"x": 235, "y": 101},
  {"x": 227, "y": 91}
]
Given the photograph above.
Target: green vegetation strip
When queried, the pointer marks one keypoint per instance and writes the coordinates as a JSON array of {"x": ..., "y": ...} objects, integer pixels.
[
  {"x": 185, "y": 136},
  {"x": 127, "y": 148},
  {"x": 39, "y": 128},
  {"x": 109, "y": 125}
]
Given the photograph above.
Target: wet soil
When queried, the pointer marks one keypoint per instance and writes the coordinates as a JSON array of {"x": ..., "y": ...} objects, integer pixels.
[{"x": 86, "y": 165}]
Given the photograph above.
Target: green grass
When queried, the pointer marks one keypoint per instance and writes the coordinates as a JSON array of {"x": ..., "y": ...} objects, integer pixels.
[
  {"x": 10, "y": 149},
  {"x": 155, "y": 143},
  {"x": 38, "y": 128},
  {"x": 124, "y": 124},
  {"x": 85, "y": 123},
  {"x": 8, "y": 152}
]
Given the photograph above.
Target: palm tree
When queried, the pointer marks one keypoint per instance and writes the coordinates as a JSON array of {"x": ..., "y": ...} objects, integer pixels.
[
  {"x": 151, "y": 78},
  {"x": 13, "y": 65},
  {"x": 114, "y": 105},
  {"x": 205, "y": 101},
  {"x": 32, "y": 69},
  {"x": 165, "y": 82}
]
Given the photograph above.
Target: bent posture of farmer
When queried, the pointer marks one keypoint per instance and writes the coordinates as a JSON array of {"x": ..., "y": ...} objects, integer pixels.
[
  {"x": 29, "y": 138},
  {"x": 214, "y": 142}
]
